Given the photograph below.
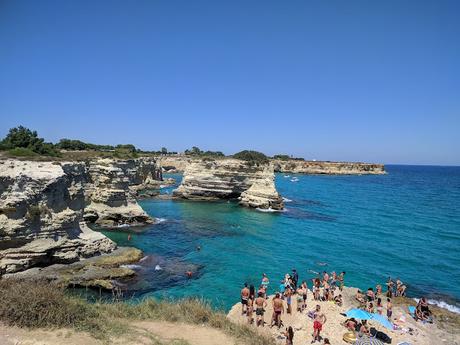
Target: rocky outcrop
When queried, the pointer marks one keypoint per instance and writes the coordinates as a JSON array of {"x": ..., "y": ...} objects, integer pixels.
[
  {"x": 178, "y": 163},
  {"x": 41, "y": 208},
  {"x": 112, "y": 189},
  {"x": 228, "y": 179},
  {"x": 332, "y": 168},
  {"x": 96, "y": 272},
  {"x": 44, "y": 208},
  {"x": 262, "y": 194}
]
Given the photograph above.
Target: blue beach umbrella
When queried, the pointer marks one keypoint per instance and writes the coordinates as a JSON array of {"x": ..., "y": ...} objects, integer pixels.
[
  {"x": 382, "y": 320},
  {"x": 359, "y": 314}
]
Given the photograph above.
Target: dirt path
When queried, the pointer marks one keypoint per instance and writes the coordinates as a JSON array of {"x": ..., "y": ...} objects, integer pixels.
[{"x": 146, "y": 333}]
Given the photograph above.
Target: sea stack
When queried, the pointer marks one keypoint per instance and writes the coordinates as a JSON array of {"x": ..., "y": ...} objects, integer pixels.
[{"x": 252, "y": 183}]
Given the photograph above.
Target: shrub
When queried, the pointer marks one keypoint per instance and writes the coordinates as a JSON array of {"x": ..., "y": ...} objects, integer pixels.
[
  {"x": 21, "y": 152},
  {"x": 251, "y": 156}
]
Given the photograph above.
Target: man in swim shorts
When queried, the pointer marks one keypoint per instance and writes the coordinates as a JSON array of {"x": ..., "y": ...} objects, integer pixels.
[
  {"x": 278, "y": 309},
  {"x": 261, "y": 304},
  {"x": 244, "y": 298},
  {"x": 319, "y": 321}
]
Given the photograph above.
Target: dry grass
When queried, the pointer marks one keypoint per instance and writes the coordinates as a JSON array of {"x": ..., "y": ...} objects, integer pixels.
[{"x": 42, "y": 304}]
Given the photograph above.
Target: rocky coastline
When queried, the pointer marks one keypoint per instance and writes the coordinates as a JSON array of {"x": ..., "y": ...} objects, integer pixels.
[
  {"x": 250, "y": 183},
  {"x": 179, "y": 163},
  {"x": 46, "y": 207}
]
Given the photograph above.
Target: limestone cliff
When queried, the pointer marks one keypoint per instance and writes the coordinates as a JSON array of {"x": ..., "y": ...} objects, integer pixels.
[
  {"x": 41, "y": 208},
  {"x": 44, "y": 208},
  {"x": 178, "y": 163},
  {"x": 228, "y": 179},
  {"x": 332, "y": 168},
  {"x": 111, "y": 191}
]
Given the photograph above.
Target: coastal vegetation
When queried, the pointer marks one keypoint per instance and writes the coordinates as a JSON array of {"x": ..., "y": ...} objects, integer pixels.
[
  {"x": 251, "y": 156},
  {"x": 41, "y": 304}
]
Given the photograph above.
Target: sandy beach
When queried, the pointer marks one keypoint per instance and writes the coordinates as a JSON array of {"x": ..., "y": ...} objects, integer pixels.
[{"x": 444, "y": 330}]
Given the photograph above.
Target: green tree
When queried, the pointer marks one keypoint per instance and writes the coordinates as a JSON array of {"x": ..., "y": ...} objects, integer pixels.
[
  {"x": 22, "y": 137},
  {"x": 251, "y": 156},
  {"x": 164, "y": 150}
]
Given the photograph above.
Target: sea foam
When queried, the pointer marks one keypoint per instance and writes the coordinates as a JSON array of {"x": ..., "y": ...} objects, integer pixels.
[{"x": 442, "y": 304}]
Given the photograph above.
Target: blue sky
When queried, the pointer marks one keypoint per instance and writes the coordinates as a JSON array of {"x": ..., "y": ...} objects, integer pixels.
[{"x": 333, "y": 80}]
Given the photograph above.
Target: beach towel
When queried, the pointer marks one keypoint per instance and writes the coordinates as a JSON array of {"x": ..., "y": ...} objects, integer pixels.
[{"x": 411, "y": 309}]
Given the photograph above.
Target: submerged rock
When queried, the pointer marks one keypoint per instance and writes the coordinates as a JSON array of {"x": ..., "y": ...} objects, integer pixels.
[
  {"x": 228, "y": 179},
  {"x": 97, "y": 272}
]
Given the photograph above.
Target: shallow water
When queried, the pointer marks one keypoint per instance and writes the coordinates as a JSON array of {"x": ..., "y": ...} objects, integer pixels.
[{"x": 405, "y": 224}]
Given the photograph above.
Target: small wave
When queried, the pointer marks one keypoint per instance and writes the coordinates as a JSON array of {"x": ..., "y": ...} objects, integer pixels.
[
  {"x": 158, "y": 268},
  {"x": 132, "y": 267},
  {"x": 269, "y": 210},
  {"x": 144, "y": 258},
  {"x": 441, "y": 304},
  {"x": 163, "y": 186},
  {"x": 161, "y": 220},
  {"x": 314, "y": 272},
  {"x": 286, "y": 199},
  {"x": 287, "y": 176},
  {"x": 123, "y": 226}
]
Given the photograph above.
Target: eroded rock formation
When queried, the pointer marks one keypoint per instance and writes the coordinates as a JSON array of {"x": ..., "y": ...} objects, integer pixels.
[
  {"x": 112, "y": 189},
  {"x": 229, "y": 179},
  {"x": 44, "y": 207},
  {"x": 41, "y": 208},
  {"x": 179, "y": 163}
]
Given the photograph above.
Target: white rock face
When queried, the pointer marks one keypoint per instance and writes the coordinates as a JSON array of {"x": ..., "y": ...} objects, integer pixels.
[
  {"x": 228, "y": 179},
  {"x": 329, "y": 168},
  {"x": 44, "y": 206},
  {"x": 263, "y": 194},
  {"x": 41, "y": 208},
  {"x": 110, "y": 194}
]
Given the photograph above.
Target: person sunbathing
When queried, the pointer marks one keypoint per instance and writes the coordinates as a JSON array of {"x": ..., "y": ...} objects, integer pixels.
[
  {"x": 351, "y": 324},
  {"x": 338, "y": 300},
  {"x": 360, "y": 298}
]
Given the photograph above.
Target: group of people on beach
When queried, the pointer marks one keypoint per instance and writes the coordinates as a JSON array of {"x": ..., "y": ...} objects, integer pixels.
[
  {"x": 290, "y": 290},
  {"x": 291, "y": 297}
]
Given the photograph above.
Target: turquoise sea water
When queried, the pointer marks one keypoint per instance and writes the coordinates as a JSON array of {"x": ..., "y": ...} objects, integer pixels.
[{"x": 405, "y": 224}]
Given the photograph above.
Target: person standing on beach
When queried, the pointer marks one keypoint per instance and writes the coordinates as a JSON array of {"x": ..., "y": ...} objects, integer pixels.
[
  {"x": 261, "y": 304},
  {"x": 299, "y": 299},
  {"x": 265, "y": 282},
  {"x": 249, "y": 310},
  {"x": 319, "y": 320},
  {"x": 288, "y": 294},
  {"x": 389, "y": 285},
  {"x": 295, "y": 278},
  {"x": 304, "y": 294},
  {"x": 278, "y": 309},
  {"x": 389, "y": 309},
  {"x": 341, "y": 280},
  {"x": 244, "y": 298},
  {"x": 289, "y": 334}
]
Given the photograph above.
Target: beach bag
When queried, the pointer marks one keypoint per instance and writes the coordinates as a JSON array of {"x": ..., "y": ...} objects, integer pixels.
[{"x": 380, "y": 336}]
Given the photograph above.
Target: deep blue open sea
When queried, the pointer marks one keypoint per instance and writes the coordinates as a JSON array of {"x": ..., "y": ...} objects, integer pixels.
[{"x": 404, "y": 224}]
